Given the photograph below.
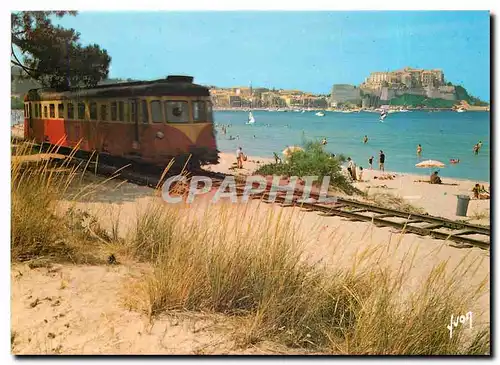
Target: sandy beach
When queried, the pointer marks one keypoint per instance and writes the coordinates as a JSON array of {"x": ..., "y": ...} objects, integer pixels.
[
  {"x": 68, "y": 309},
  {"x": 438, "y": 200}
]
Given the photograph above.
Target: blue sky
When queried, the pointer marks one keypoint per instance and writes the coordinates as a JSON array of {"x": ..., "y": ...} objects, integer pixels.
[{"x": 303, "y": 50}]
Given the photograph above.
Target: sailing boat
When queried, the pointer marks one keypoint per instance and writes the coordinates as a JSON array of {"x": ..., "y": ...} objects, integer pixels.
[
  {"x": 251, "y": 119},
  {"x": 383, "y": 115}
]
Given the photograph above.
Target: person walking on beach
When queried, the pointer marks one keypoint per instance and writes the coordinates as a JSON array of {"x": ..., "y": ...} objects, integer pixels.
[
  {"x": 381, "y": 161},
  {"x": 370, "y": 162},
  {"x": 365, "y": 139},
  {"x": 419, "y": 150},
  {"x": 239, "y": 157}
]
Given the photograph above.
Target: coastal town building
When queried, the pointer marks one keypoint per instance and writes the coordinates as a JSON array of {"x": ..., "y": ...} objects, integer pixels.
[
  {"x": 411, "y": 81},
  {"x": 265, "y": 98},
  {"x": 408, "y": 77},
  {"x": 343, "y": 93}
]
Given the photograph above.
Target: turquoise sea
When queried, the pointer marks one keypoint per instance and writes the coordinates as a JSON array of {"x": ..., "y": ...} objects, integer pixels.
[{"x": 443, "y": 135}]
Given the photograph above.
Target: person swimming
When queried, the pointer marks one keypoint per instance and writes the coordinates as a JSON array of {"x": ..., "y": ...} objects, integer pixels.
[{"x": 454, "y": 160}]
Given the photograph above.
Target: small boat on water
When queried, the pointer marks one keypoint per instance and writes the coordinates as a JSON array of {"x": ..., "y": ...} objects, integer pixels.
[
  {"x": 251, "y": 119},
  {"x": 320, "y": 114},
  {"x": 383, "y": 115}
]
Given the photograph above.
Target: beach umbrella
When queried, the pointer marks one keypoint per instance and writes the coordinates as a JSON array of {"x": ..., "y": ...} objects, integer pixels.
[
  {"x": 429, "y": 164},
  {"x": 291, "y": 149}
]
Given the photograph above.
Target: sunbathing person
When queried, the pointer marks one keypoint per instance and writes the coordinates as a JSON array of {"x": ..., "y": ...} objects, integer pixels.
[
  {"x": 476, "y": 190},
  {"x": 435, "y": 179}
]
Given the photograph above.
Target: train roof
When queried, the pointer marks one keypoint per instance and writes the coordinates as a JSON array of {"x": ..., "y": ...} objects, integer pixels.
[{"x": 173, "y": 85}]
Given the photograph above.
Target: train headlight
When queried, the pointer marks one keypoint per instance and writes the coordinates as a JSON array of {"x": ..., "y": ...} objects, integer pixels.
[{"x": 160, "y": 135}]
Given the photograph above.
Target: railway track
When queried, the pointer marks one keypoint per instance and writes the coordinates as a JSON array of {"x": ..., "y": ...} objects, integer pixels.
[{"x": 463, "y": 235}]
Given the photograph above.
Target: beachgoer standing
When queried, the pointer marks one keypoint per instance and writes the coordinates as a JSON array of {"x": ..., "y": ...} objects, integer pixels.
[
  {"x": 381, "y": 161},
  {"x": 479, "y": 145},
  {"x": 419, "y": 150},
  {"x": 365, "y": 139},
  {"x": 370, "y": 162},
  {"x": 475, "y": 149},
  {"x": 239, "y": 157},
  {"x": 360, "y": 177},
  {"x": 354, "y": 172},
  {"x": 350, "y": 167}
]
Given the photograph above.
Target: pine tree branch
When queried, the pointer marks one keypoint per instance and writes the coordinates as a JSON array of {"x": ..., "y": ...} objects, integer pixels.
[{"x": 18, "y": 63}]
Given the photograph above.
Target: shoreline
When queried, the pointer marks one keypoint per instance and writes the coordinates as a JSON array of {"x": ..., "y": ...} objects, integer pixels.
[
  {"x": 298, "y": 109},
  {"x": 225, "y": 154},
  {"x": 435, "y": 199}
]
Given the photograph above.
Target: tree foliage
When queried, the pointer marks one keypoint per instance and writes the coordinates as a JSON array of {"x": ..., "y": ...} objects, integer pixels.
[
  {"x": 52, "y": 55},
  {"x": 313, "y": 160}
]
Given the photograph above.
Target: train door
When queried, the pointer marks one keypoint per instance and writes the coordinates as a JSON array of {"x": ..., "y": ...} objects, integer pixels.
[{"x": 30, "y": 121}]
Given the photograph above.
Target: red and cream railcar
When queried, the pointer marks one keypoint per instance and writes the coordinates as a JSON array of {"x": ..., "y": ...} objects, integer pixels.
[{"x": 151, "y": 121}]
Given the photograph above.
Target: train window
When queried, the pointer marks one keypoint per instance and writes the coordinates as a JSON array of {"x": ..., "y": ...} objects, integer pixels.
[
  {"x": 114, "y": 110},
  {"x": 121, "y": 116},
  {"x": 52, "y": 109},
  {"x": 132, "y": 111},
  {"x": 81, "y": 111},
  {"x": 156, "y": 112},
  {"x": 45, "y": 114},
  {"x": 177, "y": 111},
  {"x": 104, "y": 112},
  {"x": 71, "y": 111},
  {"x": 145, "y": 116},
  {"x": 199, "y": 112},
  {"x": 93, "y": 111},
  {"x": 60, "y": 110},
  {"x": 210, "y": 114}
]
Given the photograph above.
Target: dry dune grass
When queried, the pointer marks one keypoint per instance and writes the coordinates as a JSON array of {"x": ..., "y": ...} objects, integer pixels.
[{"x": 250, "y": 264}]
